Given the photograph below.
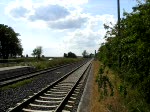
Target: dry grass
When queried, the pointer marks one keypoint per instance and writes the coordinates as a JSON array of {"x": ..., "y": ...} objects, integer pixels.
[
  {"x": 96, "y": 106},
  {"x": 108, "y": 103}
]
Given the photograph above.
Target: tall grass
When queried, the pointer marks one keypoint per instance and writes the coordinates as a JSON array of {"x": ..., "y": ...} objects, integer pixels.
[
  {"x": 46, "y": 64},
  {"x": 42, "y": 63},
  {"x": 125, "y": 98},
  {"x": 18, "y": 84}
]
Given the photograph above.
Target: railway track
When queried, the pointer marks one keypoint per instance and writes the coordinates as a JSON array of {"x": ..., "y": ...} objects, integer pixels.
[
  {"x": 11, "y": 80},
  {"x": 59, "y": 96},
  {"x": 7, "y": 73}
]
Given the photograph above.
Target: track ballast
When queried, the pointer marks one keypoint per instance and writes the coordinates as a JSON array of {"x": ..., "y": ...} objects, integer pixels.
[{"x": 58, "y": 96}]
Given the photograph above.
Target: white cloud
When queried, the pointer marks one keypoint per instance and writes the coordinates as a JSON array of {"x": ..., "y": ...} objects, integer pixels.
[
  {"x": 39, "y": 24},
  {"x": 19, "y": 9},
  {"x": 53, "y": 51},
  {"x": 90, "y": 37},
  {"x": 84, "y": 31},
  {"x": 19, "y": 12},
  {"x": 67, "y": 2},
  {"x": 27, "y": 4},
  {"x": 39, "y": 5},
  {"x": 57, "y": 15},
  {"x": 106, "y": 18},
  {"x": 68, "y": 23},
  {"x": 49, "y": 13},
  {"x": 83, "y": 40}
]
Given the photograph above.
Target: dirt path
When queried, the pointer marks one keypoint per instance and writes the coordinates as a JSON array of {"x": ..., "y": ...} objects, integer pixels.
[
  {"x": 95, "y": 104},
  {"x": 109, "y": 103}
]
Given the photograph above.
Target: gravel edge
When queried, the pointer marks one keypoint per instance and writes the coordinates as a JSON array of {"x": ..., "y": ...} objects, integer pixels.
[
  {"x": 84, "y": 104},
  {"x": 10, "y": 97}
]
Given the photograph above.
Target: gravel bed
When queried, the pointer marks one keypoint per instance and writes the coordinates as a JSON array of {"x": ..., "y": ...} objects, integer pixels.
[
  {"x": 9, "y": 97},
  {"x": 9, "y": 72},
  {"x": 77, "y": 101}
]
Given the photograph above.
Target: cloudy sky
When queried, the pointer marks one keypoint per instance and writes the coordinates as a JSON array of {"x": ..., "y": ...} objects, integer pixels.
[{"x": 61, "y": 26}]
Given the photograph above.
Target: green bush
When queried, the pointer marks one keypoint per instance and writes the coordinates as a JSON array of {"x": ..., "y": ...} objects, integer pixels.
[{"x": 129, "y": 52}]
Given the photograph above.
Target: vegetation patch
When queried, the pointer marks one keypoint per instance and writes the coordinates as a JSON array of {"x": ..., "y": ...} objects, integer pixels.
[
  {"x": 46, "y": 64},
  {"x": 124, "y": 98},
  {"x": 41, "y": 63},
  {"x": 18, "y": 84},
  {"x": 128, "y": 54},
  {"x": 108, "y": 86},
  {"x": 104, "y": 83}
]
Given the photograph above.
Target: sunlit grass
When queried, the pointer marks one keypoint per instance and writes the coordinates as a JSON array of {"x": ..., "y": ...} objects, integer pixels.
[
  {"x": 108, "y": 103},
  {"x": 46, "y": 64},
  {"x": 17, "y": 84},
  {"x": 42, "y": 63}
]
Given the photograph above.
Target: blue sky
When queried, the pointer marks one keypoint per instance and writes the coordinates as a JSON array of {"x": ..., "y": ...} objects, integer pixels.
[{"x": 60, "y": 26}]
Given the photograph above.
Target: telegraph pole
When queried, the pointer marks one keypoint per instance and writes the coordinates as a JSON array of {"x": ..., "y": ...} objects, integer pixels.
[
  {"x": 118, "y": 8},
  {"x": 118, "y": 4}
]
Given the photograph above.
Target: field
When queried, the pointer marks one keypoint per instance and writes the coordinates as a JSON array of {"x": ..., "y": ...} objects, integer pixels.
[{"x": 39, "y": 64}]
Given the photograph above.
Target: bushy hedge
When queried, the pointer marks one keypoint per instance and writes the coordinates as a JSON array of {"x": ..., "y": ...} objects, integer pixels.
[
  {"x": 50, "y": 63},
  {"x": 131, "y": 49},
  {"x": 19, "y": 60}
]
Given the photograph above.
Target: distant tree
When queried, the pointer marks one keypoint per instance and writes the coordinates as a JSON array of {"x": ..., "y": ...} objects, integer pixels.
[
  {"x": 85, "y": 54},
  {"x": 34, "y": 53},
  {"x": 91, "y": 55},
  {"x": 70, "y": 55},
  {"x": 37, "y": 52},
  {"x": 65, "y": 55},
  {"x": 10, "y": 45},
  {"x": 27, "y": 56}
]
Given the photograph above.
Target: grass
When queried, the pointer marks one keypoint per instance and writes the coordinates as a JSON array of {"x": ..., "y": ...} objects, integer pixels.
[
  {"x": 18, "y": 84},
  {"x": 46, "y": 64},
  {"x": 125, "y": 98},
  {"x": 132, "y": 101},
  {"x": 107, "y": 103},
  {"x": 114, "y": 103},
  {"x": 96, "y": 106},
  {"x": 42, "y": 63}
]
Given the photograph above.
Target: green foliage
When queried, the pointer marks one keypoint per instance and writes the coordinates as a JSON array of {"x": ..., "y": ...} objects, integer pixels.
[
  {"x": 10, "y": 45},
  {"x": 46, "y": 64},
  {"x": 85, "y": 54},
  {"x": 104, "y": 84},
  {"x": 70, "y": 55},
  {"x": 38, "y": 63},
  {"x": 18, "y": 84},
  {"x": 37, "y": 52},
  {"x": 133, "y": 48},
  {"x": 122, "y": 90}
]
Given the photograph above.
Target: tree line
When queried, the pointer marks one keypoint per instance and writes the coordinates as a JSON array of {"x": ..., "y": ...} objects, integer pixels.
[
  {"x": 10, "y": 44},
  {"x": 85, "y": 54},
  {"x": 129, "y": 52}
]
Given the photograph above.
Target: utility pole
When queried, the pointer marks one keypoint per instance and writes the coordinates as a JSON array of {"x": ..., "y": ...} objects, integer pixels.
[
  {"x": 118, "y": 8},
  {"x": 118, "y": 4}
]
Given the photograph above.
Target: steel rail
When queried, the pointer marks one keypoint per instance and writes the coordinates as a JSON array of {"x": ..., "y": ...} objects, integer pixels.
[
  {"x": 62, "y": 104},
  {"x": 20, "y": 78},
  {"x": 16, "y": 76},
  {"x": 20, "y": 106}
]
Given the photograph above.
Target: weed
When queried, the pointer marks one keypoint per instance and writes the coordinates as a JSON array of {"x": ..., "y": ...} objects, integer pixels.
[
  {"x": 18, "y": 84},
  {"x": 104, "y": 84}
]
